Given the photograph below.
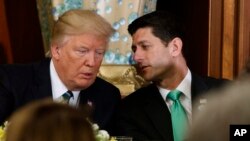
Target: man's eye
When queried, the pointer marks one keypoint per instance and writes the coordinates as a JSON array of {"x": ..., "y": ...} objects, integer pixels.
[
  {"x": 82, "y": 51},
  {"x": 133, "y": 48},
  {"x": 100, "y": 52},
  {"x": 145, "y": 47}
]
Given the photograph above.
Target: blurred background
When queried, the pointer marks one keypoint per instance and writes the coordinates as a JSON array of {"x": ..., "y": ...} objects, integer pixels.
[{"x": 217, "y": 35}]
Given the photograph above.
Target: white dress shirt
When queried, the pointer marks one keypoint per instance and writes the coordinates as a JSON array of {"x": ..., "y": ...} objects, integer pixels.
[
  {"x": 185, "y": 99},
  {"x": 58, "y": 88}
]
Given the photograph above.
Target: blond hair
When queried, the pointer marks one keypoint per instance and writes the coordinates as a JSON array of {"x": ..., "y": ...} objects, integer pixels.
[
  {"x": 78, "y": 21},
  {"x": 48, "y": 121}
]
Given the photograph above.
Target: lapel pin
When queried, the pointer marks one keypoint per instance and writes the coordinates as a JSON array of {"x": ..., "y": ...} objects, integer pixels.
[
  {"x": 90, "y": 103},
  {"x": 202, "y": 104}
]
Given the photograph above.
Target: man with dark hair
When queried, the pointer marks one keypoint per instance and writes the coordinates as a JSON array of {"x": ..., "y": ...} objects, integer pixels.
[{"x": 162, "y": 110}]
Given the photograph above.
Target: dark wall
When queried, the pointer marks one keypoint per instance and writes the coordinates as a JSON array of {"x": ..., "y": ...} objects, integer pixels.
[
  {"x": 24, "y": 31},
  {"x": 2, "y": 55},
  {"x": 195, "y": 17}
]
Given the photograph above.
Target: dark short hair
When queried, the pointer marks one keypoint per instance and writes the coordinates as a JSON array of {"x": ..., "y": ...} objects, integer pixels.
[{"x": 165, "y": 25}]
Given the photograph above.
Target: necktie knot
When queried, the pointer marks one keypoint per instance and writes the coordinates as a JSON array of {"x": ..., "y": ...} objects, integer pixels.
[
  {"x": 174, "y": 95},
  {"x": 67, "y": 95}
]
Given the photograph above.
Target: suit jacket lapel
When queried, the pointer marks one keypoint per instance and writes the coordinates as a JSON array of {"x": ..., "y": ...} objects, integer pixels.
[
  {"x": 155, "y": 105},
  {"x": 90, "y": 94},
  {"x": 198, "y": 87}
]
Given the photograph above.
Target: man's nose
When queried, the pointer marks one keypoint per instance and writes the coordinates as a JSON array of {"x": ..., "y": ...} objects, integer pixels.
[
  {"x": 90, "y": 60},
  {"x": 138, "y": 55}
]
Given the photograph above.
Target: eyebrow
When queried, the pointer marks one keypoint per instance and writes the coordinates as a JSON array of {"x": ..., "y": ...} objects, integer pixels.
[
  {"x": 140, "y": 42},
  {"x": 83, "y": 47},
  {"x": 100, "y": 50}
]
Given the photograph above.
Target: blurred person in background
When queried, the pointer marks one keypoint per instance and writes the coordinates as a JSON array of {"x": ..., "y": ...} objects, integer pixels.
[
  {"x": 225, "y": 107},
  {"x": 229, "y": 108},
  {"x": 45, "y": 120}
]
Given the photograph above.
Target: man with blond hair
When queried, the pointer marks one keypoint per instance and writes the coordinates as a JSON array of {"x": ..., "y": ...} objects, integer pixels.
[{"x": 79, "y": 41}]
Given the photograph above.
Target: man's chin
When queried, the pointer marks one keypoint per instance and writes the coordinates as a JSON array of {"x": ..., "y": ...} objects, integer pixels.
[
  {"x": 147, "y": 77},
  {"x": 84, "y": 85}
]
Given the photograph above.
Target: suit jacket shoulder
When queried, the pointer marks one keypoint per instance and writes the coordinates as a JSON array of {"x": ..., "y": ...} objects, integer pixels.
[
  {"x": 22, "y": 83},
  {"x": 21, "y": 74},
  {"x": 142, "y": 95},
  {"x": 200, "y": 85}
]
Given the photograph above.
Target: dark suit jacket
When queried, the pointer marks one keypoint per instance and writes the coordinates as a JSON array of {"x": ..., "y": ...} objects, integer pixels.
[
  {"x": 21, "y": 84},
  {"x": 144, "y": 114}
]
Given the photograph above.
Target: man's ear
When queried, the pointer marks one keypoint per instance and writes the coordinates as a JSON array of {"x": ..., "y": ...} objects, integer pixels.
[
  {"x": 176, "y": 45},
  {"x": 55, "y": 51}
]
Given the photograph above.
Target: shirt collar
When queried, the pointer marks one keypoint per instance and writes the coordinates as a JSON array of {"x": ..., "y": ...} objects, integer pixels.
[
  {"x": 184, "y": 87},
  {"x": 58, "y": 88}
]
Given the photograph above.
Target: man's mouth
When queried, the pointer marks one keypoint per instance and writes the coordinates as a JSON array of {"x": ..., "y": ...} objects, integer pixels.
[
  {"x": 87, "y": 75},
  {"x": 143, "y": 68}
]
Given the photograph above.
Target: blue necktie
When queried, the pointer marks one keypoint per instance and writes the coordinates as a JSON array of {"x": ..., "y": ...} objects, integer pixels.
[
  {"x": 178, "y": 116},
  {"x": 66, "y": 96}
]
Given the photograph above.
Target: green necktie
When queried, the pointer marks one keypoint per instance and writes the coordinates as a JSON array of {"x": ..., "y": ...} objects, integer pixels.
[
  {"x": 178, "y": 116},
  {"x": 66, "y": 97}
]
